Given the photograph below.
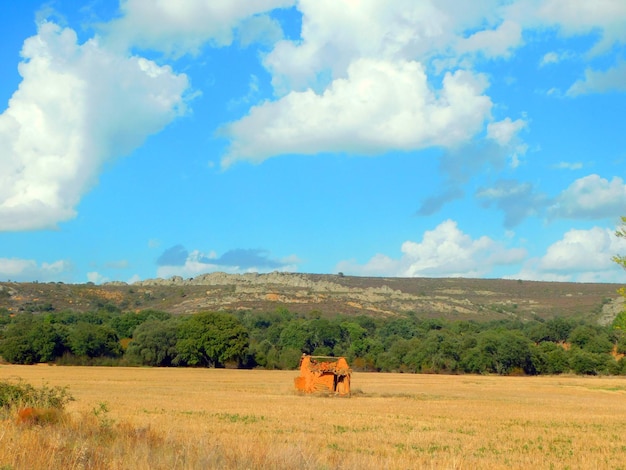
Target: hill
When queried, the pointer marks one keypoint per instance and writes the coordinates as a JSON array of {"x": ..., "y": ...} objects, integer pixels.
[{"x": 450, "y": 298}]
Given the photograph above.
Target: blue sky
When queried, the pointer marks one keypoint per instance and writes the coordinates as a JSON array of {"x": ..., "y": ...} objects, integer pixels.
[{"x": 143, "y": 139}]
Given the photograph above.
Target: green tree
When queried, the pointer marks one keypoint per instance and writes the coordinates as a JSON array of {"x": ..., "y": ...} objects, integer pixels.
[
  {"x": 550, "y": 358},
  {"x": 295, "y": 335},
  {"x": 154, "y": 343},
  {"x": 323, "y": 335},
  {"x": 500, "y": 352},
  {"x": 125, "y": 323},
  {"x": 538, "y": 332},
  {"x": 211, "y": 339},
  {"x": 29, "y": 340},
  {"x": 559, "y": 329},
  {"x": 352, "y": 332},
  {"x": 438, "y": 352},
  {"x": 289, "y": 359},
  {"x": 587, "y": 363},
  {"x": 93, "y": 340},
  {"x": 591, "y": 339}
]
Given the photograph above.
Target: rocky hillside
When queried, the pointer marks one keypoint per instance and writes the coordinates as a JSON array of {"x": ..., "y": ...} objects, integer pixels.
[{"x": 477, "y": 299}]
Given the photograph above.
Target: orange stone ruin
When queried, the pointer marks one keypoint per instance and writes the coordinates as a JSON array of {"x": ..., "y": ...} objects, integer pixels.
[{"x": 324, "y": 374}]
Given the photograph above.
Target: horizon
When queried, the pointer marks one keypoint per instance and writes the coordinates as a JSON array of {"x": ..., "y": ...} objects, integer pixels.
[{"x": 396, "y": 139}]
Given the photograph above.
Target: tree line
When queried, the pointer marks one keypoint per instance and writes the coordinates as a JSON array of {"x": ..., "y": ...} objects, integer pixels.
[{"x": 276, "y": 340}]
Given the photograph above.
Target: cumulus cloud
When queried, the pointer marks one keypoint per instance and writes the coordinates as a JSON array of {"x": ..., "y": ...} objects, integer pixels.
[
  {"x": 344, "y": 42},
  {"x": 380, "y": 106},
  {"x": 177, "y": 261},
  {"x": 591, "y": 197},
  {"x": 77, "y": 106},
  {"x": 612, "y": 79},
  {"x": 25, "y": 270},
  {"x": 503, "y": 132},
  {"x": 335, "y": 33},
  {"x": 580, "y": 256},
  {"x": 517, "y": 200},
  {"x": 184, "y": 26},
  {"x": 443, "y": 252}
]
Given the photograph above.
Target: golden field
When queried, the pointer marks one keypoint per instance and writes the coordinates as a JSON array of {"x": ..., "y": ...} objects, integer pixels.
[{"x": 141, "y": 418}]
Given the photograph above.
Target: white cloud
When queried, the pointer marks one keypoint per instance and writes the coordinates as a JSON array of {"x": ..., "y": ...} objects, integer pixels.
[
  {"x": 504, "y": 131},
  {"x": 318, "y": 74},
  {"x": 260, "y": 28},
  {"x": 380, "y": 106},
  {"x": 497, "y": 42},
  {"x": 580, "y": 256},
  {"x": 591, "y": 197},
  {"x": 613, "y": 79},
  {"x": 568, "y": 166},
  {"x": 183, "y": 26},
  {"x": 555, "y": 57},
  {"x": 77, "y": 107},
  {"x": 335, "y": 33},
  {"x": 24, "y": 270},
  {"x": 198, "y": 263},
  {"x": 443, "y": 252},
  {"x": 575, "y": 17},
  {"x": 589, "y": 250},
  {"x": 96, "y": 277},
  {"x": 550, "y": 58}
]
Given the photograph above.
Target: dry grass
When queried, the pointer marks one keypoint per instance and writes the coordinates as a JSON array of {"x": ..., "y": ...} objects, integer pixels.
[{"x": 207, "y": 418}]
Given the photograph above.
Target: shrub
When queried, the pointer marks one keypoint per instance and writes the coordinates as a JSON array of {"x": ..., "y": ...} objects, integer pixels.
[{"x": 21, "y": 394}]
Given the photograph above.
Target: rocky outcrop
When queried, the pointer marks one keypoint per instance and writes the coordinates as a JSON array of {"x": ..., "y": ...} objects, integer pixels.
[
  {"x": 611, "y": 310},
  {"x": 7, "y": 291},
  {"x": 291, "y": 280}
]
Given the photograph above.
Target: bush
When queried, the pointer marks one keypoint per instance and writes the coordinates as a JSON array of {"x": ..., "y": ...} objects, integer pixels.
[{"x": 21, "y": 394}]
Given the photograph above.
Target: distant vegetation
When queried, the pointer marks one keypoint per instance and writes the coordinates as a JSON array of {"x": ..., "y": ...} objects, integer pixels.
[{"x": 276, "y": 340}]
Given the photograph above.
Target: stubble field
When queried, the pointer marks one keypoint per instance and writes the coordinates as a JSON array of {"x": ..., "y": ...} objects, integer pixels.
[{"x": 139, "y": 418}]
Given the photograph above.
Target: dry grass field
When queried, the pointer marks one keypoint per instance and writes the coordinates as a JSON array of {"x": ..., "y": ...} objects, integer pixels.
[{"x": 131, "y": 418}]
